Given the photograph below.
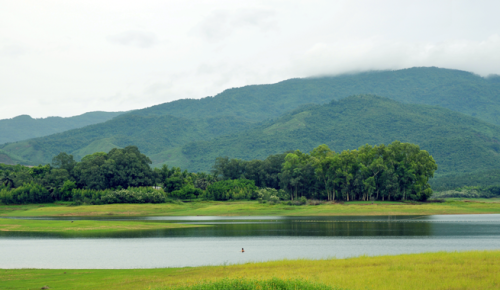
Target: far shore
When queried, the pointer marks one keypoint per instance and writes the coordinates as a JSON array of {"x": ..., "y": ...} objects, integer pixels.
[{"x": 253, "y": 208}]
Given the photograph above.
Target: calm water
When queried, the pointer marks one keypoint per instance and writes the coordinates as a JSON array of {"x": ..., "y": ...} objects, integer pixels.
[{"x": 264, "y": 238}]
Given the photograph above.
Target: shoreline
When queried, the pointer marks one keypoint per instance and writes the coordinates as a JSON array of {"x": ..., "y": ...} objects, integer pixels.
[{"x": 251, "y": 208}]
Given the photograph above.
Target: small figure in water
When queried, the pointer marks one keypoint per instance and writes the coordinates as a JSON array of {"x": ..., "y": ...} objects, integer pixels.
[{"x": 242, "y": 250}]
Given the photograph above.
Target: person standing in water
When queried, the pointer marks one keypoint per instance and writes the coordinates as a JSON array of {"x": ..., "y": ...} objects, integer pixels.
[{"x": 242, "y": 250}]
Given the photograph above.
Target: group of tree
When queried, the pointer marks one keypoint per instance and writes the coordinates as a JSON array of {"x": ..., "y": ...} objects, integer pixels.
[{"x": 399, "y": 171}]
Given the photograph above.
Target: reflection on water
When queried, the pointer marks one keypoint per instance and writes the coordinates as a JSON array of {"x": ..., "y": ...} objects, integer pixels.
[
  {"x": 357, "y": 226},
  {"x": 264, "y": 238}
]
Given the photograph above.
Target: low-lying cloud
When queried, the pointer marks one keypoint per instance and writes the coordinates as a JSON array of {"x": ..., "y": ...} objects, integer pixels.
[{"x": 481, "y": 57}]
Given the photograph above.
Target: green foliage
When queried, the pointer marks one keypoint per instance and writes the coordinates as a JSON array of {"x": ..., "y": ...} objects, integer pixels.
[
  {"x": 129, "y": 195},
  {"x": 483, "y": 178},
  {"x": 120, "y": 168},
  {"x": 27, "y": 193},
  {"x": 67, "y": 189},
  {"x": 399, "y": 171},
  {"x": 231, "y": 189},
  {"x": 271, "y": 195},
  {"x": 188, "y": 191},
  {"x": 251, "y": 284},
  {"x": 24, "y": 127}
]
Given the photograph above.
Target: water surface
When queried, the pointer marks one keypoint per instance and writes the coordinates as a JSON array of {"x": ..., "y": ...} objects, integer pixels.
[{"x": 264, "y": 238}]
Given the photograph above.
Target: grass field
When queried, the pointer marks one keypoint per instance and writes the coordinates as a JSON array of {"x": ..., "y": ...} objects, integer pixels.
[
  {"x": 82, "y": 227},
  {"x": 462, "y": 270},
  {"x": 253, "y": 208}
]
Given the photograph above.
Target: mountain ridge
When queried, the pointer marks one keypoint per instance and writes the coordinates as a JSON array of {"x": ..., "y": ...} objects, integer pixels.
[{"x": 24, "y": 127}]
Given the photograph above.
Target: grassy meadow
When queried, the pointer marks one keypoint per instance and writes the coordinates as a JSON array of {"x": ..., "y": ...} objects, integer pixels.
[
  {"x": 456, "y": 270},
  {"x": 83, "y": 227},
  {"x": 253, "y": 208}
]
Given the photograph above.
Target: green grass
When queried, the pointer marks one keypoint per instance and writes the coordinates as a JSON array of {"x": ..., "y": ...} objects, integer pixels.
[
  {"x": 83, "y": 227},
  {"x": 251, "y": 284},
  {"x": 456, "y": 270},
  {"x": 253, "y": 208}
]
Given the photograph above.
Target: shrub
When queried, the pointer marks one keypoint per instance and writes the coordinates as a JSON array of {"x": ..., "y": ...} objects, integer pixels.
[
  {"x": 186, "y": 192},
  {"x": 231, "y": 189},
  {"x": 27, "y": 193},
  {"x": 250, "y": 284},
  {"x": 129, "y": 195}
]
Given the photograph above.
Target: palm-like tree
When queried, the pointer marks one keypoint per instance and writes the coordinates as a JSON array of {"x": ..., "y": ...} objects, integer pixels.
[{"x": 7, "y": 179}]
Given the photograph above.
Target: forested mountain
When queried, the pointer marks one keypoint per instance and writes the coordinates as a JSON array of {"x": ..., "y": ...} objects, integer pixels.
[
  {"x": 459, "y": 143},
  {"x": 24, "y": 127},
  {"x": 453, "y": 89},
  {"x": 152, "y": 134}
]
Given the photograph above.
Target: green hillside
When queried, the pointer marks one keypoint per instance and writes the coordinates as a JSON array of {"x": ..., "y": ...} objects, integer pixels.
[
  {"x": 24, "y": 127},
  {"x": 152, "y": 134},
  {"x": 10, "y": 159},
  {"x": 453, "y": 89},
  {"x": 459, "y": 143}
]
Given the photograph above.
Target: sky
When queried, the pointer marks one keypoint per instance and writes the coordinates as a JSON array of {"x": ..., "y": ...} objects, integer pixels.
[{"x": 65, "y": 58}]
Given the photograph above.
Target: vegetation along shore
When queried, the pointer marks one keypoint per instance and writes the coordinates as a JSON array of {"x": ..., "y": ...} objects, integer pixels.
[{"x": 83, "y": 227}]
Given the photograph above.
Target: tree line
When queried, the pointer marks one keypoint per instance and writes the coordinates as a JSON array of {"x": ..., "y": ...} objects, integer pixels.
[{"x": 399, "y": 171}]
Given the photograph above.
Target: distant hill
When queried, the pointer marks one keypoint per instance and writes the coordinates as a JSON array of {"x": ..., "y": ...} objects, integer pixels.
[
  {"x": 9, "y": 158},
  {"x": 456, "y": 90},
  {"x": 152, "y": 134},
  {"x": 24, "y": 127}
]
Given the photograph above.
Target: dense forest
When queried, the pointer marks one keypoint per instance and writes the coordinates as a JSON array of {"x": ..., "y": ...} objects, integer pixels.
[
  {"x": 399, "y": 171},
  {"x": 256, "y": 121}
]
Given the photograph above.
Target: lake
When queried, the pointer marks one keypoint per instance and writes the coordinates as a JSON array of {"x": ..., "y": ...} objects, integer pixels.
[{"x": 264, "y": 238}]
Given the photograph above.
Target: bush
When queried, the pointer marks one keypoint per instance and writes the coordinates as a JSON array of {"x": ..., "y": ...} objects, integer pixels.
[
  {"x": 231, "y": 189},
  {"x": 315, "y": 202},
  {"x": 271, "y": 195},
  {"x": 250, "y": 284},
  {"x": 186, "y": 192},
  {"x": 129, "y": 195},
  {"x": 27, "y": 193}
]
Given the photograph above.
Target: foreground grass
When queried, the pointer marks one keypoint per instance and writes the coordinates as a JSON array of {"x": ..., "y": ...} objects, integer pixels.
[
  {"x": 463, "y": 270},
  {"x": 253, "y": 208},
  {"x": 255, "y": 284},
  {"x": 82, "y": 226}
]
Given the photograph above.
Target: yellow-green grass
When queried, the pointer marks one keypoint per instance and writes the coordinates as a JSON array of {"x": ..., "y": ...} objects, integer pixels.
[
  {"x": 462, "y": 270},
  {"x": 83, "y": 226},
  {"x": 253, "y": 208}
]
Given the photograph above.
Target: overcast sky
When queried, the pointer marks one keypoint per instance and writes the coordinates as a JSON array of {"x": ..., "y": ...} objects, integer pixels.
[{"x": 64, "y": 58}]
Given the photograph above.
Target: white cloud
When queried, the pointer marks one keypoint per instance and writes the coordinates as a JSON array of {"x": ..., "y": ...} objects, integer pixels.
[
  {"x": 481, "y": 57},
  {"x": 134, "y": 38},
  {"x": 220, "y": 24},
  {"x": 13, "y": 50}
]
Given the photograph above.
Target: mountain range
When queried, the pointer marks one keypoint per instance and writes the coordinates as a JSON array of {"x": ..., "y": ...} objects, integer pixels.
[{"x": 452, "y": 114}]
